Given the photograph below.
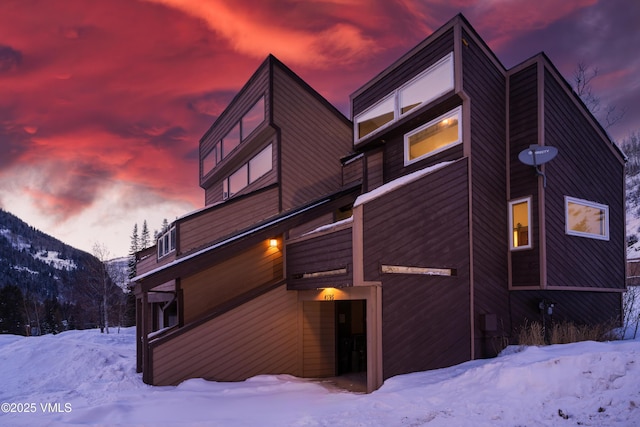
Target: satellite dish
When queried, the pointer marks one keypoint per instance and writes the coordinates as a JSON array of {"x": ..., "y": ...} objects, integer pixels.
[{"x": 537, "y": 155}]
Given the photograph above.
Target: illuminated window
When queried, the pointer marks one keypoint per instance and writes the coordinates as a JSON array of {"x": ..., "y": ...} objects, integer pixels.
[
  {"x": 433, "y": 137},
  {"x": 520, "y": 224},
  {"x": 586, "y": 219},
  {"x": 433, "y": 82}
]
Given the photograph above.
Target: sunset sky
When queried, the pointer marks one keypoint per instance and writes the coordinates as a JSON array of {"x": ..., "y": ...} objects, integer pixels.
[{"x": 103, "y": 102}]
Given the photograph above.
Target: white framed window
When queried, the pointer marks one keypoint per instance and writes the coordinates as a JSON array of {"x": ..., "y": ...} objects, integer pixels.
[
  {"x": 430, "y": 84},
  {"x": 166, "y": 242},
  {"x": 433, "y": 82},
  {"x": 433, "y": 137},
  {"x": 520, "y": 224},
  {"x": 585, "y": 218}
]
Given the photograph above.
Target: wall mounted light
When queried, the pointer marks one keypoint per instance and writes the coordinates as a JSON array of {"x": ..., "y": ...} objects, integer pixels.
[{"x": 273, "y": 243}]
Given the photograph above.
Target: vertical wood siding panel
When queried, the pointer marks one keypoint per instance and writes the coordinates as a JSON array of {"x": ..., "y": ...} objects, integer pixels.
[
  {"x": 319, "y": 339},
  {"x": 226, "y": 219},
  {"x": 486, "y": 87},
  {"x": 423, "y": 223},
  {"x": 256, "y": 338},
  {"x": 523, "y": 131},
  {"x": 216, "y": 285},
  {"x": 585, "y": 168},
  {"x": 313, "y": 139}
]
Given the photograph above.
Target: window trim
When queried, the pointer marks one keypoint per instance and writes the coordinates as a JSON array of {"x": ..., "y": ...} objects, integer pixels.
[
  {"x": 590, "y": 204},
  {"x": 219, "y": 145},
  {"x": 513, "y": 202},
  {"x": 396, "y": 96},
  {"x": 169, "y": 236},
  {"x": 226, "y": 184},
  {"x": 456, "y": 112}
]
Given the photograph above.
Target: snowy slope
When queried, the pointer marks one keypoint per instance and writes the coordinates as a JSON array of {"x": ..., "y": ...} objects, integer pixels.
[{"x": 91, "y": 377}]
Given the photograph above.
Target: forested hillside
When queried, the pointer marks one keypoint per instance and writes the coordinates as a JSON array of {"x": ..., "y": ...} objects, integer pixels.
[{"x": 47, "y": 286}]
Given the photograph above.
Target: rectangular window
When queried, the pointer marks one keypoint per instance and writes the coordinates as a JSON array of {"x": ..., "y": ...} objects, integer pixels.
[
  {"x": 586, "y": 219},
  {"x": 261, "y": 163},
  {"x": 376, "y": 117},
  {"x": 211, "y": 159},
  {"x": 238, "y": 180},
  {"x": 167, "y": 242},
  {"x": 433, "y": 137},
  {"x": 253, "y": 118},
  {"x": 520, "y": 224},
  {"x": 231, "y": 140},
  {"x": 435, "y": 81}
]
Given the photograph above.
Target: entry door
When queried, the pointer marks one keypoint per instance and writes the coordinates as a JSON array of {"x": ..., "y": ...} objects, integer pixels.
[{"x": 351, "y": 336}]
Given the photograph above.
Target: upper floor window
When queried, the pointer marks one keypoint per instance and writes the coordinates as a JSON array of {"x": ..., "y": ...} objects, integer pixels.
[
  {"x": 240, "y": 132},
  {"x": 433, "y": 137},
  {"x": 586, "y": 219},
  {"x": 167, "y": 242},
  {"x": 248, "y": 173},
  {"x": 433, "y": 82},
  {"x": 520, "y": 224}
]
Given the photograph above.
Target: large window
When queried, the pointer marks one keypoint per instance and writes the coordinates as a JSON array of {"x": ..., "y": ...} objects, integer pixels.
[
  {"x": 425, "y": 87},
  {"x": 586, "y": 219},
  {"x": 433, "y": 137},
  {"x": 248, "y": 173},
  {"x": 240, "y": 132},
  {"x": 520, "y": 224}
]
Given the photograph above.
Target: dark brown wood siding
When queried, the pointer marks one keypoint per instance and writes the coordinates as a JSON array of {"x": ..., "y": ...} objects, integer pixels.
[
  {"x": 425, "y": 223},
  {"x": 422, "y": 59},
  {"x": 485, "y": 84},
  {"x": 258, "y": 337},
  {"x": 352, "y": 170},
  {"x": 579, "y": 307},
  {"x": 587, "y": 168},
  {"x": 313, "y": 139},
  {"x": 318, "y": 339},
  {"x": 326, "y": 252},
  {"x": 523, "y": 132},
  {"x": 214, "y": 286},
  {"x": 225, "y": 219}
]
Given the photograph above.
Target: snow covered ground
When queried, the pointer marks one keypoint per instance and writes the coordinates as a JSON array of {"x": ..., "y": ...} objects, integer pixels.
[{"x": 87, "y": 378}]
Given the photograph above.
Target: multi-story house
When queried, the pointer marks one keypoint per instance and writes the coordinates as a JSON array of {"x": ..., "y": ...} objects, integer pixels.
[{"x": 418, "y": 235}]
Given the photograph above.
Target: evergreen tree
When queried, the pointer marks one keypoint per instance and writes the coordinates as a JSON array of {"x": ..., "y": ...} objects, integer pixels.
[
  {"x": 165, "y": 226},
  {"x": 133, "y": 249},
  {"x": 144, "y": 237},
  {"x": 11, "y": 311},
  {"x": 52, "y": 323}
]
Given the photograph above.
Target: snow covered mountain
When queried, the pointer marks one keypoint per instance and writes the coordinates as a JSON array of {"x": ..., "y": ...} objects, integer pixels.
[{"x": 45, "y": 284}]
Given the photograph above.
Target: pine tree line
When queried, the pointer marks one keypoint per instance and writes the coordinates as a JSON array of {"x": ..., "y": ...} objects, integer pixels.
[{"x": 141, "y": 241}]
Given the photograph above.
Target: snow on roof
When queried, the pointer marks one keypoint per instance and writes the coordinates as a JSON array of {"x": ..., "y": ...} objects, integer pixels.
[
  {"x": 328, "y": 227},
  {"x": 231, "y": 239},
  {"x": 399, "y": 182}
]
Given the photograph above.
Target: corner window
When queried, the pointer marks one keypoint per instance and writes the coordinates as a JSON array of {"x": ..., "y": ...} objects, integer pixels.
[
  {"x": 586, "y": 219},
  {"x": 520, "y": 224},
  {"x": 256, "y": 167},
  {"x": 231, "y": 140},
  {"x": 212, "y": 158},
  {"x": 433, "y": 82},
  {"x": 433, "y": 137},
  {"x": 167, "y": 242}
]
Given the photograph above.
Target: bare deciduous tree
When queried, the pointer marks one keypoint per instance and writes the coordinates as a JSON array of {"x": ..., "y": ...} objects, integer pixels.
[{"x": 583, "y": 77}]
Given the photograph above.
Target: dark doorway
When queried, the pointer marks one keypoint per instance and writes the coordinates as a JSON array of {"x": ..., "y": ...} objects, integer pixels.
[{"x": 351, "y": 337}]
